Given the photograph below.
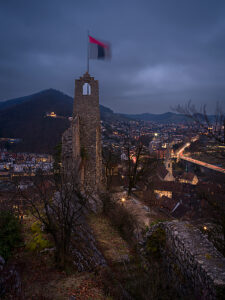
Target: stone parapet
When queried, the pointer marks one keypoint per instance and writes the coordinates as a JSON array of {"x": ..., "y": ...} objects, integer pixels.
[{"x": 192, "y": 262}]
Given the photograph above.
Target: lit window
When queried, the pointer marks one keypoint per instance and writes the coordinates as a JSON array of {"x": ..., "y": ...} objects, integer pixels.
[{"x": 86, "y": 89}]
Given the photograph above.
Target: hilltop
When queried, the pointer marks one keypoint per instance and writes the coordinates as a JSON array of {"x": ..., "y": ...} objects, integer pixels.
[{"x": 24, "y": 118}]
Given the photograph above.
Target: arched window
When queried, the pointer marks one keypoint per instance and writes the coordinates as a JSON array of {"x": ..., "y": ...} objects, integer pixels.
[{"x": 86, "y": 89}]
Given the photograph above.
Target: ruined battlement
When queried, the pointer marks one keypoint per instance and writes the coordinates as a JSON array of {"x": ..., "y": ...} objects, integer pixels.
[
  {"x": 192, "y": 263},
  {"x": 82, "y": 141}
]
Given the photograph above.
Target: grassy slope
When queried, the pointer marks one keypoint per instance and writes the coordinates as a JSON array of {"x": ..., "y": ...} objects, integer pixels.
[{"x": 42, "y": 281}]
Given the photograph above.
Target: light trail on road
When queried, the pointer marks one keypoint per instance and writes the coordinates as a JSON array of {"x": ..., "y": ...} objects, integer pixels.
[{"x": 201, "y": 163}]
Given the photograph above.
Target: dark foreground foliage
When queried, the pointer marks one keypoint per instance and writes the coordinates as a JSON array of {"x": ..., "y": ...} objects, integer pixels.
[{"x": 10, "y": 232}]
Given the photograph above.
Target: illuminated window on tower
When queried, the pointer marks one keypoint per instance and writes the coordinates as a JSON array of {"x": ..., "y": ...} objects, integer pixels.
[{"x": 86, "y": 89}]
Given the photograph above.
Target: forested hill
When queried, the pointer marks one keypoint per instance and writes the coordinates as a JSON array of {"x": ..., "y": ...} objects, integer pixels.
[{"x": 25, "y": 118}]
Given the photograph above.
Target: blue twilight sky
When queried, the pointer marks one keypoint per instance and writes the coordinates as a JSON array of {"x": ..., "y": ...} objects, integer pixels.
[{"x": 164, "y": 52}]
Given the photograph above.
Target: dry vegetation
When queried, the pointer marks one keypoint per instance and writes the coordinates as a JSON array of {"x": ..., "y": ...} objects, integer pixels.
[
  {"x": 42, "y": 280},
  {"x": 125, "y": 277},
  {"x": 109, "y": 240},
  {"x": 128, "y": 277}
]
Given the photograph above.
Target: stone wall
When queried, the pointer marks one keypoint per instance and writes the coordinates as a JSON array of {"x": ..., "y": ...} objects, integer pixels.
[
  {"x": 82, "y": 141},
  {"x": 87, "y": 108},
  {"x": 67, "y": 147},
  {"x": 71, "y": 145},
  {"x": 193, "y": 264}
]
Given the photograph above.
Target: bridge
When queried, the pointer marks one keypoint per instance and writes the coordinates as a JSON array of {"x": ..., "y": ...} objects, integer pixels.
[
  {"x": 201, "y": 163},
  {"x": 179, "y": 155}
]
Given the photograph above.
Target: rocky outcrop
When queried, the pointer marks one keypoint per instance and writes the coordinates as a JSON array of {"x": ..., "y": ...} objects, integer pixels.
[{"x": 84, "y": 250}]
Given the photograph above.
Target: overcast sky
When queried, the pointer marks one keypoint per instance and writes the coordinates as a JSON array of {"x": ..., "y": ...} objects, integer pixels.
[{"x": 164, "y": 52}]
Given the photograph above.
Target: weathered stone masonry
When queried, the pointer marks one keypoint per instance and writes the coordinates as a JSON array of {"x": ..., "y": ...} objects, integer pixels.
[
  {"x": 86, "y": 107},
  {"x": 82, "y": 141},
  {"x": 193, "y": 264}
]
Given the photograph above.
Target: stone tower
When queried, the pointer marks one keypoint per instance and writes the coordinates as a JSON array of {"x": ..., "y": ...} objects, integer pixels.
[
  {"x": 168, "y": 162},
  {"x": 86, "y": 109}
]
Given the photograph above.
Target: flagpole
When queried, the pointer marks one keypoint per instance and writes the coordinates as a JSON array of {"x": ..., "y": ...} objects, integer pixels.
[{"x": 88, "y": 51}]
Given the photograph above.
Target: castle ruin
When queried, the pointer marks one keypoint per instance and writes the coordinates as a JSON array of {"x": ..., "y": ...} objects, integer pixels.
[{"x": 81, "y": 142}]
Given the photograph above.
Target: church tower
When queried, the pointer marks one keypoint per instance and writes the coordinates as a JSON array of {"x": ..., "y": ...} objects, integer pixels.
[
  {"x": 86, "y": 110},
  {"x": 168, "y": 161}
]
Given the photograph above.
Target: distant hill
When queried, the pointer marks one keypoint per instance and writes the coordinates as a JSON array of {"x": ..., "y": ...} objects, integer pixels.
[
  {"x": 24, "y": 118},
  {"x": 44, "y": 100},
  {"x": 168, "y": 117}
]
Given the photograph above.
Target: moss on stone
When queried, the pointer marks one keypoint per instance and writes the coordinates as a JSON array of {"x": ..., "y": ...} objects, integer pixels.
[
  {"x": 157, "y": 221},
  {"x": 155, "y": 242},
  {"x": 208, "y": 256}
]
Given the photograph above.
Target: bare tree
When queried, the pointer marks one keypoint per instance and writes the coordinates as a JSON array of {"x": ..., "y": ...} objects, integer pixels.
[
  {"x": 212, "y": 126},
  {"x": 58, "y": 203},
  {"x": 139, "y": 165},
  {"x": 110, "y": 161}
]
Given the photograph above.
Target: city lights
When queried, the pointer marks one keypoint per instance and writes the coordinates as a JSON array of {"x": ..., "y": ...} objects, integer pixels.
[{"x": 51, "y": 114}]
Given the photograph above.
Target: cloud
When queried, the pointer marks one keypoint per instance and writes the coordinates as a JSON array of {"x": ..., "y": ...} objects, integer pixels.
[
  {"x": 164, "y": 52},
  {"x": 162, "y": 78}
]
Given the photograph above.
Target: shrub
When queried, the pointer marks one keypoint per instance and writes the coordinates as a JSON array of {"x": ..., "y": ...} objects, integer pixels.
[
  {"x": 38, "y": 241},
  {"x": 10, "y": 233},
  {"x": 155, "y": 242}
]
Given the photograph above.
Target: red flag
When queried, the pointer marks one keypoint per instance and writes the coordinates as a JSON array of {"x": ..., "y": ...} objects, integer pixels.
[{"x": 99, "y": 49}]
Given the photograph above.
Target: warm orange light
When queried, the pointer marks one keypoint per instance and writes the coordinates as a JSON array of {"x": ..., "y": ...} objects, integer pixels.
[
  {"x": 52, "y": 115},
  {"x": 123, "y": 199},
  {"x": 205, "y": 228},
  {"x": 134, "y": 159}
]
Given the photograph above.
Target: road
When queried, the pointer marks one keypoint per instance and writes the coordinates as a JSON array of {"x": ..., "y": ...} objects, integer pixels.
[
  {"x": 180, "y": 155},
  {"x": 181, "y": 150},
  {"x": 201, "y": 163}
]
